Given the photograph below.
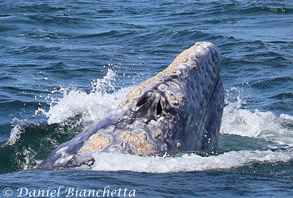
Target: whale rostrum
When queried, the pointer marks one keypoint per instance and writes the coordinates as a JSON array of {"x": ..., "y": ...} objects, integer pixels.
[{"x": 178, "y": 110}]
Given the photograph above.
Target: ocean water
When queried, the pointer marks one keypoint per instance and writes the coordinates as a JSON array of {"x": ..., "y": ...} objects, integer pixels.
[{"x": 66, "y": 64}]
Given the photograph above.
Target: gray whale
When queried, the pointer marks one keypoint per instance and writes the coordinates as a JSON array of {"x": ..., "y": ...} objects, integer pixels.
[{"x": 178, "y": 110}]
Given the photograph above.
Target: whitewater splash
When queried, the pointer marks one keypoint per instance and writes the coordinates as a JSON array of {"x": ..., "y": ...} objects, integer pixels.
[
  {"x": 187, "y": 163},
  {"x": 90, "y": 106},
  {"x": 256, "y": 124},
  {"x": 103, "y": 98}
]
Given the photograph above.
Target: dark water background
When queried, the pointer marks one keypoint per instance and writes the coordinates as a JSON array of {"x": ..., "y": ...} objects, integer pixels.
[{"x": 56, "y": 56}]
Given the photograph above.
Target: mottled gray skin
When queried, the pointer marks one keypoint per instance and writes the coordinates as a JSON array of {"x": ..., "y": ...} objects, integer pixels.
[{"x": 191, "y": 123}]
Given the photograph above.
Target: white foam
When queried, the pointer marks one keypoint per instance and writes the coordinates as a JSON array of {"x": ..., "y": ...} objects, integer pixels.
[
  {"x": 91, "y": 106},
  {"x": 246, "y": 123},
  {"x": 286, "y": 117},
  {"x": 186, "y": 163},
  {"x": 257, "y": 124},
  {"x": 14, "y": 134},
  {"x": 16, "y": 130},
  {"x": 29, "y": 156}
]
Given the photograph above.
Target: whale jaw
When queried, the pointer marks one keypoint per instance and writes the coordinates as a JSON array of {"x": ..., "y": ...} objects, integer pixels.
[{"x": 178, "y": 110}]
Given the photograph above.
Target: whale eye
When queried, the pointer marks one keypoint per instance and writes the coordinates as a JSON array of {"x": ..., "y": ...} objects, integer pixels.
[{"x": 159, "y": 108}]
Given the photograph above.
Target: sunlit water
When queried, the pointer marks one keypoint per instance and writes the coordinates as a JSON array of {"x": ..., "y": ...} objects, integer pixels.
[{"x": 65, "y": 65}]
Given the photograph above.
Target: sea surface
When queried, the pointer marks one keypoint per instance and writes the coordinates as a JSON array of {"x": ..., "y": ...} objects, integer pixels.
[{"x": 66, "y": 64}]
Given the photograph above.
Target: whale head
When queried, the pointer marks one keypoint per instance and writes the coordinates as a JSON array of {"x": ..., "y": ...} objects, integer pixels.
[{"x": 179, "y": 109}]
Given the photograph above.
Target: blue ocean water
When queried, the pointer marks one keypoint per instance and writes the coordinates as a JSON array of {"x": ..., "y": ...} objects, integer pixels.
[{"x": 66, "y": 64}]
